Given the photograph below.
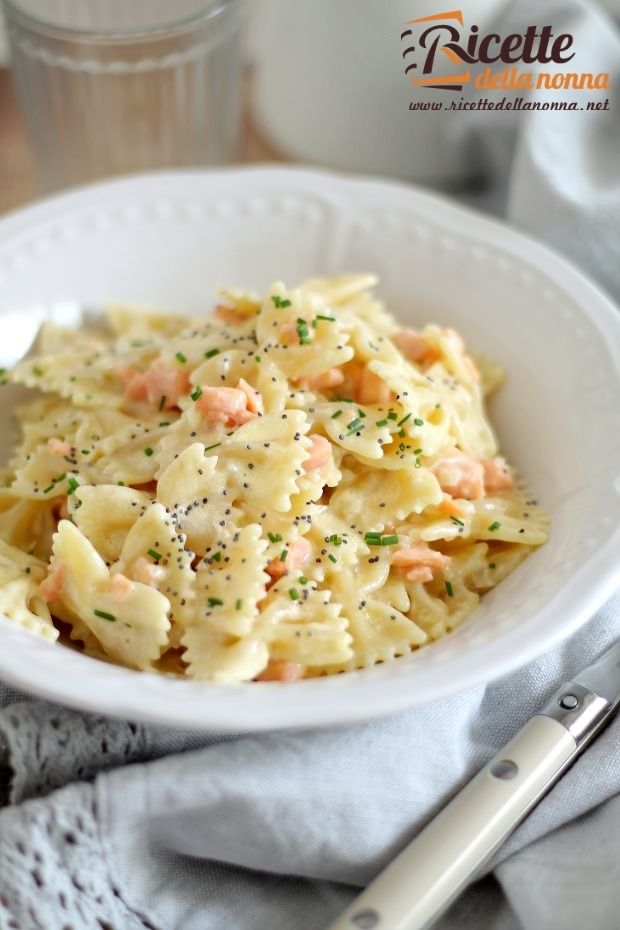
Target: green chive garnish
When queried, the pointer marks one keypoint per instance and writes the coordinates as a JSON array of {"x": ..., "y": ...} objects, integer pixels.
[
  {"x": 154, "y": 554},
  {"x": 278, "y": 302},
  {"x": 449, "y": 589},
  {"x": 381, "y": 423},
  {"x": 217, "y": 556},
  {"x": 37, "y": 371},
  {"x": 238, "y": 603},
  {"x": 337, "y": 414},
  {"x": 180, "y": 358},
  {"x": 196, "y": 393},
  {"x": 303, "y": 333},
  {"x": 322, "y": 316},
  {"x": 214, "y": 446},
  {"x": 332, "y": 558},
  {"x": 215, "y": 602},
  {"x": 418, "y": 421},
  {"x": 73, "y": 484},
  {"x": 211, "y": 353},
  {"x": 404, "y": 420},
  {"x": 49, "y": 488},
  {"x": 165, "y": 423},
  {"x": 457, "y": 521},
  {"x": 274, "y": 537},
  {"x": 104, "y": 615},
  {"x": 148, "y": 451},
  {"x": 283, "y": 555},
  {"x": 494, "y": 526},
  {"x": 355, "y": 424},
  {"x": 162, "y": 401},
  {"x": 492, "y": 565},
  {"x": 294, "y": 594},
  {"x": 335, "y": 539},
  {"x": 302, "y": 579},
  {"x": 389, "y": 540},
  {"x": 392, "y": 415}
]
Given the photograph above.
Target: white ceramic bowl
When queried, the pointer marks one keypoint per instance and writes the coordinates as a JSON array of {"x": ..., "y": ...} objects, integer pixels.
[{"x": 169, "y": 239}]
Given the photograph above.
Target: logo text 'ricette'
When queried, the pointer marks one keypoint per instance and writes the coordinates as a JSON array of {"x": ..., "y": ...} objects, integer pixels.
[{"x": 439, "y": 36}]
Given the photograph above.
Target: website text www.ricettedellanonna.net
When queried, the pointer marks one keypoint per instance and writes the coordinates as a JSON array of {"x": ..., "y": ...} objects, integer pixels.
[{"x": 518, "y": 103}]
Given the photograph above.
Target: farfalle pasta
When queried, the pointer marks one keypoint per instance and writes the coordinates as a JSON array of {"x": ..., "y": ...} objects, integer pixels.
[{"x": 295, "y": 486}]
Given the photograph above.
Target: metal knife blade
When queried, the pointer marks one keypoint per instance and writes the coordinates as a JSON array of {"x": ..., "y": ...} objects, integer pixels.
[{"x": 603, "y": 676}]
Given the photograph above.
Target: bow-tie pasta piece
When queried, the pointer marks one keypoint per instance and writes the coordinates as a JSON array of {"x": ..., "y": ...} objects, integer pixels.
[
  {"x": 218, "y": 639},
  {"x": 20, "y": 601},
  {"x": 105, "y": 514},
  {"x": 130, "y": 620}
]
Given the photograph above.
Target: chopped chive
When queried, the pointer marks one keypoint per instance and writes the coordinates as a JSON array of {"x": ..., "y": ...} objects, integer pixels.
[
  {"x": 165, "y": 423},
  {"x": 449, "y": 589},
  {"x": 238, "y": 603},
  {"x": 302, "y": 579},
  {"x": 104, "y": 615},
  {"x": 214, "y": 602},
  {"x": 335, "y": 539},
  {"x": 372, "y": 539},
  {"x": 372, "y": 345},
  {"x": 332, "y": 558},
  {"x": 361, "y": 413},
  {"x": 355, "y": 424},
  {"x": 404, "y": 420},
  {"x": 294, "y": 594},
  {"x": 401, "y": 433},
  {"x": 274, "y": 537},
  {"x": 73, "y": 484},
  {"x": 257, "y": 359},
  {"x": 122, "y": 483},
  {"x": 72, "y": 378},
  {"x": 392, "y": 415},
  {"x": 85, "y": 451},
  {"x": 196, "y": 393},
  {"x": 37, "y": 371},
  {"x": 492, "y": 565},
  {"x": 418, "y": 421},
  {"x": 148, "y": 451},
  {"x": 217, "y": 556},
  {"x": 389, "y": 540},
  {"x": 417, "y": 451},
  {"x": 283, "y": 555},
  {"x": 154, "y": 554},
  {"x": 49, "y": 488},
  {"x": 494, "y": 526},
  {"x": 381, "y": 422},
  {"x": 337, "y": 414},
  {"x": 344, "y": 400},
  {"x": 180, "y": 358},
  {"x": 303, "y": 332},
  {"x": 214, "y": 446},
  {"x": 211, "y": 353},
  {"x": 322, "y": 316},
  {"x": 278, "y": 302},
  {"x": 457, "y": 521},
  {"x": 8, "y": 483},
  {"x": 162, "y": 401}
]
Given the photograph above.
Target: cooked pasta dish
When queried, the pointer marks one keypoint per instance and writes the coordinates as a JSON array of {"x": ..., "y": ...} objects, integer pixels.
[{"x": 292, "y": 487}]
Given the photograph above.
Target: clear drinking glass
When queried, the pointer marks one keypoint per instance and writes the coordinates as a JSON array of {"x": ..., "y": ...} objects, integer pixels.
[{"x": 113, "y": 86}]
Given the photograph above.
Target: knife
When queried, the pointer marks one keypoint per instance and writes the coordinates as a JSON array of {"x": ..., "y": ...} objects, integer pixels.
[{"x": 427, "y": 876}]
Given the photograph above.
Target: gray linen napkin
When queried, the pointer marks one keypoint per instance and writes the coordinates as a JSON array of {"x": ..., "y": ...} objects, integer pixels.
[{"x": 118, "y": 826}]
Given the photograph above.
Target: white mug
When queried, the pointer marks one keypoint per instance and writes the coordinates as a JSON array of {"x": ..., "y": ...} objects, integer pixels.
[{"x": 330, "y": 85}]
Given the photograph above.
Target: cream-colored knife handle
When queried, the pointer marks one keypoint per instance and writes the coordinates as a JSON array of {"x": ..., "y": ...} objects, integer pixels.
[{"x": 429, "y": 874}]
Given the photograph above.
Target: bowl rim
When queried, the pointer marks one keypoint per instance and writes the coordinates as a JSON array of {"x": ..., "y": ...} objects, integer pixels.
[{"x": 362, "y": 698}]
